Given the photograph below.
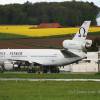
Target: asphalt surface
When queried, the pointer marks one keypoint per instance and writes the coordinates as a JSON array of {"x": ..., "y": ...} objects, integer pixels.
[{"x": 30, "y": 79}]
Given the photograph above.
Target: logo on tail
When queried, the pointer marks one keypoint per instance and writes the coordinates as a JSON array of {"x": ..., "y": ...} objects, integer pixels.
[{"x": 82, "y": 33}]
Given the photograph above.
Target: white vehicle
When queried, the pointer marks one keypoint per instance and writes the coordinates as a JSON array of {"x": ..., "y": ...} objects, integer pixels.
[{"x": 73, "y": 51}]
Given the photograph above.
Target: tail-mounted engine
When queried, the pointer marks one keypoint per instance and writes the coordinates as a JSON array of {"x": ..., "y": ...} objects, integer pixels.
[
  {"x": 78, "y": 45},
  {"x": 88, "y": 43}
]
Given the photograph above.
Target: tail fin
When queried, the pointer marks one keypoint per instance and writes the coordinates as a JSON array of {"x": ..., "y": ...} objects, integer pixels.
[{"x": 82, "y": 33}]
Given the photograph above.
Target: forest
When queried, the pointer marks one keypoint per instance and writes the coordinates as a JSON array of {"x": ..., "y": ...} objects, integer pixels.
[{"x": 66, "y": 13}]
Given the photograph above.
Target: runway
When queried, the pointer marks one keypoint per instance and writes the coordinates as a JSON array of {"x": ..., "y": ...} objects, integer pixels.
[{"x": 30, "y": 79}]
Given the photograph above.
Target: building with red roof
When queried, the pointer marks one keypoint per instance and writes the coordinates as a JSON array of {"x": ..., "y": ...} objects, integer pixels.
[{"x": 49, "y": 25}]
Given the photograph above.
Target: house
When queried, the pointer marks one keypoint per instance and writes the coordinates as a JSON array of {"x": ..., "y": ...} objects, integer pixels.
[{"x": 49, "y": 25}]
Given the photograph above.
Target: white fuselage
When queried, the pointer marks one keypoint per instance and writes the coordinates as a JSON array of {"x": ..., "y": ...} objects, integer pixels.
[{"x": 46, "y": 57}]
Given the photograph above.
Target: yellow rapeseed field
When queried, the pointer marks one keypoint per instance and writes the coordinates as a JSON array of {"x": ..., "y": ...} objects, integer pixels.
[{"x": 35, "y": 32}]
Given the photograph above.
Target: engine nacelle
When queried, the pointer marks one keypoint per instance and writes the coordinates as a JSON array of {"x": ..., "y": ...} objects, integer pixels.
[
  {"x": 78, "y": 45},
  {"x": 8, "y": 65},
  {"x": 88, "y": 43}
]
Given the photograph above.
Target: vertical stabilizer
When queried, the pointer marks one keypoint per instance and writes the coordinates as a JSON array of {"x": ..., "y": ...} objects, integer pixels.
[{"x": 82, "y": 33}]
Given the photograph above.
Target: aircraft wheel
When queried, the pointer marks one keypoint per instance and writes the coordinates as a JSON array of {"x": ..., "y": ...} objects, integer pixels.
[{"x": 2, "y": 69}]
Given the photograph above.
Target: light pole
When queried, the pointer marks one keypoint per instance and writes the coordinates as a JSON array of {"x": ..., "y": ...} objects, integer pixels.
[{"x": 98, "y": 58}]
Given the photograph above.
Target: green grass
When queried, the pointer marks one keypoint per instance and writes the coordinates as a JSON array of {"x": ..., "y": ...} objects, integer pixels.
[
  {"x": 49, "y": 90},
  {"x": 94, "y": 33},
  {"x": 4, "y": 36},
  {"x": 50, "y": 76}
]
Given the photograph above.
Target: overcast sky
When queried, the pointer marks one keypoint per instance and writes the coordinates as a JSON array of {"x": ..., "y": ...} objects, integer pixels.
[{"x": 96, "y": 2}]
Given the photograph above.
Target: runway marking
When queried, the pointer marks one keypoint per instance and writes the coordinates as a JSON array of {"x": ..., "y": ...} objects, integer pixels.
[{"x": 30, "y": 79}]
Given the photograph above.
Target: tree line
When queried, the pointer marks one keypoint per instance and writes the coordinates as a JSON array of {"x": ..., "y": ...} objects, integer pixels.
[{"x": 66, "y": 13}]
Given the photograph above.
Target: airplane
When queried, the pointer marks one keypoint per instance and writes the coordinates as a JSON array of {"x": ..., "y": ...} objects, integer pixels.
[{"x": 74, "y": 50}]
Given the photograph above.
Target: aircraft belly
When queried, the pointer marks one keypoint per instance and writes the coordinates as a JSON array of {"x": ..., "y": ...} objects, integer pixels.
[
  {"x": 56, "y": 61},
  {"x": 51, "y": 62},
  {"x": 66, "y": 61}
]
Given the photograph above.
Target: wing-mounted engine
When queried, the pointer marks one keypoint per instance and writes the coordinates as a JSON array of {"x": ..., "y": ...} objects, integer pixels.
[
  {"x": 77, "y": 45},
  {"x": 9, "y": 65}
]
